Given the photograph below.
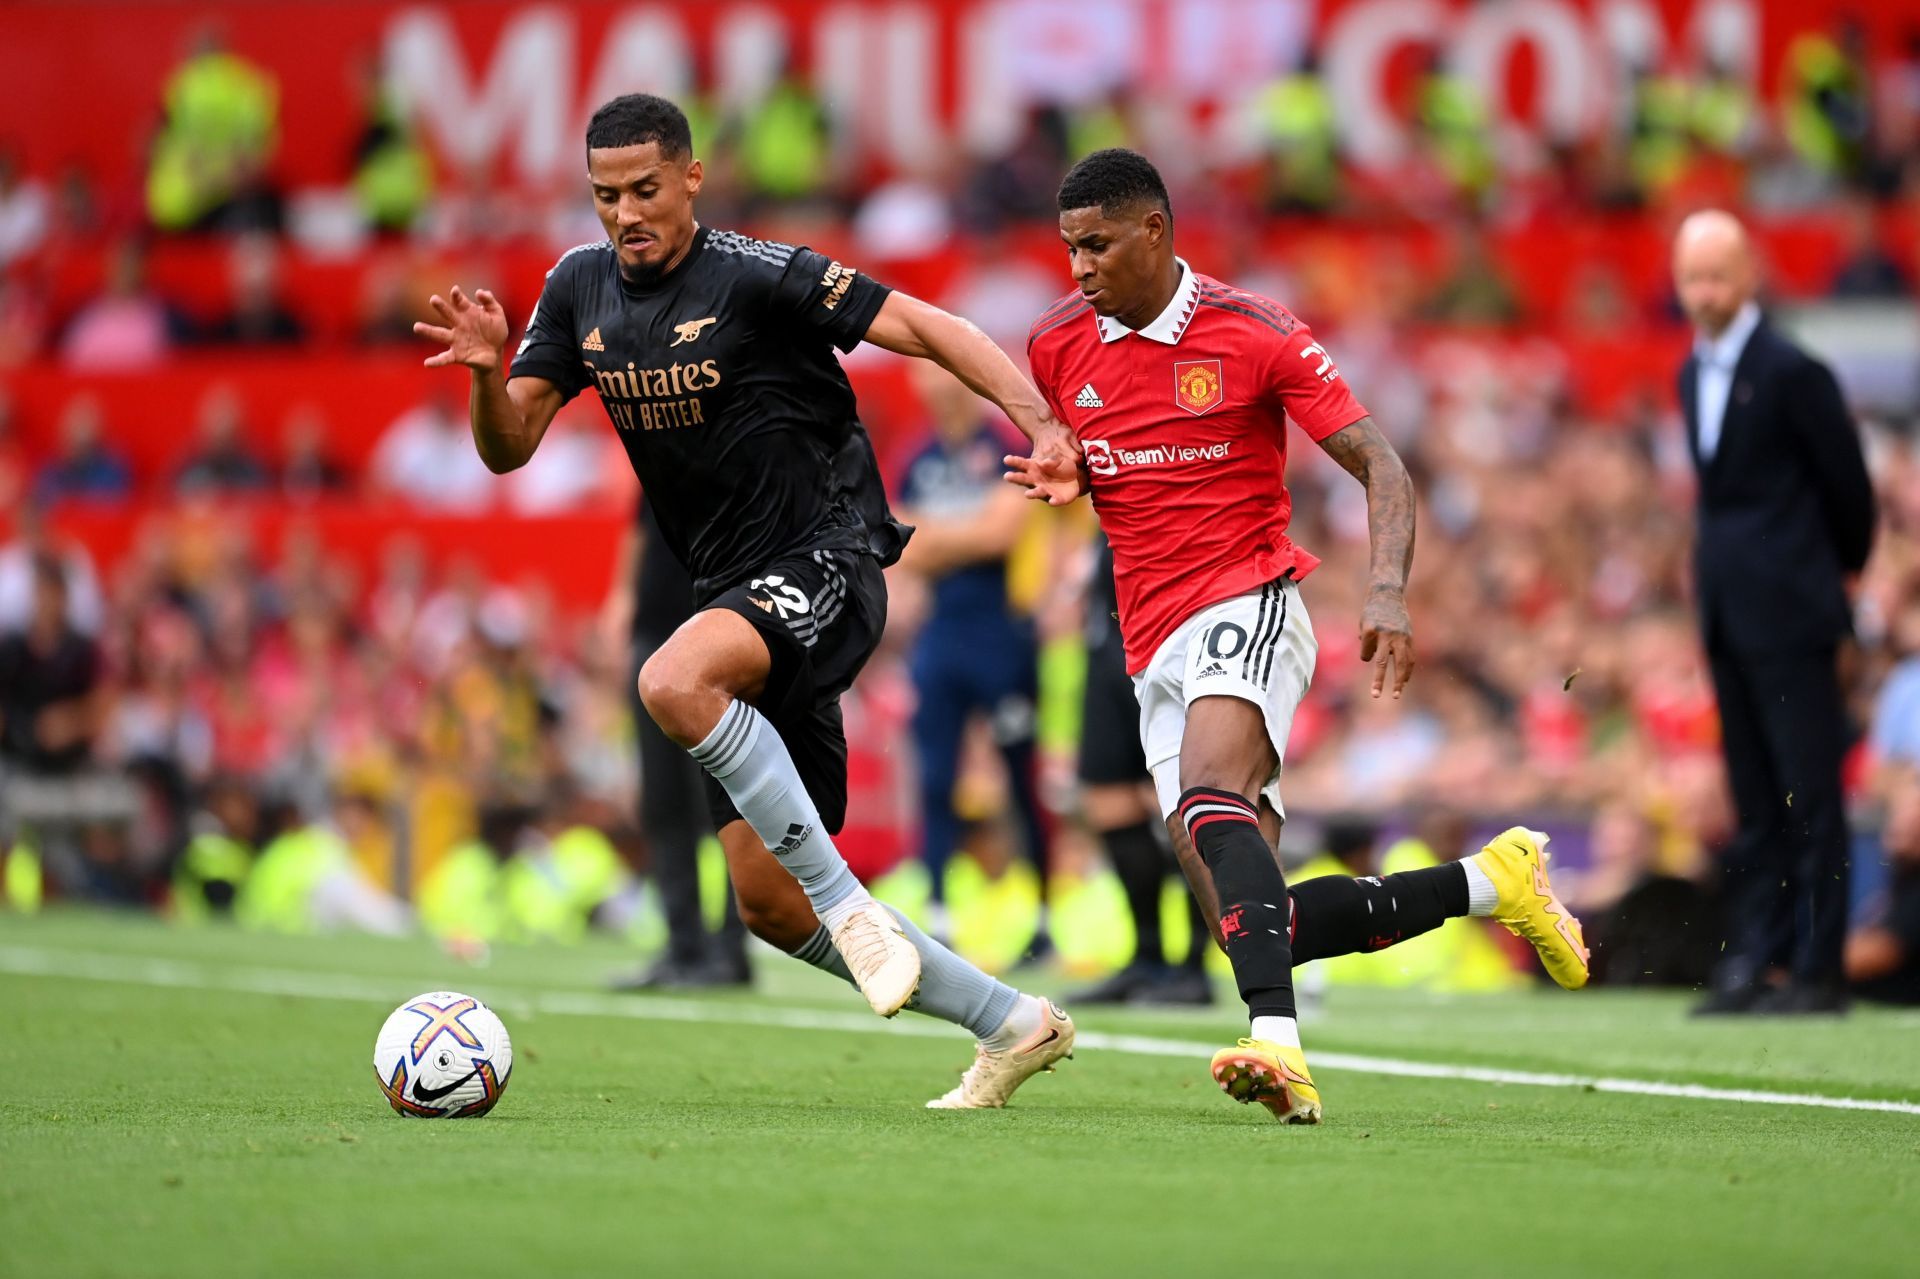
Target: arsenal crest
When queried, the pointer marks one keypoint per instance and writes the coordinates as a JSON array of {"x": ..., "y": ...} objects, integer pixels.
[{"x": 1196, "y": 385}]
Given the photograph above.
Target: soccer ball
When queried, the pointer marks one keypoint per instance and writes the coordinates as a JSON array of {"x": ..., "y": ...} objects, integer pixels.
[{"x": 443, "y": 1055}]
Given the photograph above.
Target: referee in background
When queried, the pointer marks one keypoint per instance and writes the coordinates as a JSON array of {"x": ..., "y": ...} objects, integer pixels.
[
  {"x": 654, "y": 594},
  {"x": 1786, "y": 515}
]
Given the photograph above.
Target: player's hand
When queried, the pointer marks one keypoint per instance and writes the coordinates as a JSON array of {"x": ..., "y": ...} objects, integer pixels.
[
  {"x": 1056, "y": 473},
  {"x": 1386, "y": 638},
  {"x": 474, "y": 330}
]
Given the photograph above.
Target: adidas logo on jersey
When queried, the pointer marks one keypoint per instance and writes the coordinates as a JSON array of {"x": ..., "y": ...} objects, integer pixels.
[
  {"x": 593, "y": 342},
  {"x": 1089, "y": 398},
  {"x": 1213, "y": 668}
]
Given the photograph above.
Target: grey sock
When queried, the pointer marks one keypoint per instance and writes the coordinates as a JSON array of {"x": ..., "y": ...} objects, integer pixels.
[
  {"x": 950, "y": 988},
  {"x": 747, "y": 757},
  {"x": 819, "y": 951}
]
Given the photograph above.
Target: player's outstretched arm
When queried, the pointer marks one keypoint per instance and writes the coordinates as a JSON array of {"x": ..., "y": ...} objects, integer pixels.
[
  {"x": 908, "y": 326},
  {"x": 508, "y": 417},
  {"x": 1386, "y": 633}
]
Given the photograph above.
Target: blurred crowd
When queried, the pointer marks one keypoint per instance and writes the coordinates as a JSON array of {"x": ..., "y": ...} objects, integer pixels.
[
  {"x": 199, "y": 670},
  {"x": 418, "y": 714},
  {"x": 422, "y": 460},
  {"x": 422, "y": 734},
  {"x": 1845, "y": 118},
  {"x": 1841, "y": 134}
]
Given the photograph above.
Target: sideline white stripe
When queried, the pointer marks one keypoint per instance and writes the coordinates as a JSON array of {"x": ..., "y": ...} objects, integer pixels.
[{"x": 143, "y": 971}]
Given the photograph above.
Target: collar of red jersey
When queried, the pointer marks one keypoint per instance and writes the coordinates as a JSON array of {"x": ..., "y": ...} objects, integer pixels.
[{"x": 1166, "y": 327}]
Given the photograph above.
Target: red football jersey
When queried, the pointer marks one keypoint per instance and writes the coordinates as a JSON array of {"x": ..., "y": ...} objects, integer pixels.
[{"x": 1184, "y": 428}]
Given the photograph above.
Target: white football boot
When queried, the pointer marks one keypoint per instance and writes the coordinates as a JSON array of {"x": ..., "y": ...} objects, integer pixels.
[
  {"x": 992, "y": 1078},
  {"x": 880, "y": 956}
]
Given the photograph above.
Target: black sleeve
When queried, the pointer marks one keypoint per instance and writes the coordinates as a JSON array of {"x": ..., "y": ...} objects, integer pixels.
[
  {"x": 550, "y": 348},
  {"x": 856, "y": 473},
  {"x": 1819, "y": 418},
  {"x": 837, "y": 300}
]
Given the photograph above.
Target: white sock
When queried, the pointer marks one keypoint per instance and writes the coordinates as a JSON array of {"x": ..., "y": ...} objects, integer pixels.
[
  {"x": 835, "y": 915},
  {"x": 1024, "y": 1020},
  {"x": 1482, "y": 897},
  {"x": 1284, "y": 1031}
]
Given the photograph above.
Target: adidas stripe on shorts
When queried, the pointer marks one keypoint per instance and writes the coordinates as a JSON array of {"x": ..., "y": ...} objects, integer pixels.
[
  {"x": 1258, "y": 647},
  {"x": 820, "y": 611}
]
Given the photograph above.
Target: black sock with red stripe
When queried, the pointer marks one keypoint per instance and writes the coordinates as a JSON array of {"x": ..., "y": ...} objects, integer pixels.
[
  {"x": 1334, "y": 915},
  {"x": 1225, "y": 830}
]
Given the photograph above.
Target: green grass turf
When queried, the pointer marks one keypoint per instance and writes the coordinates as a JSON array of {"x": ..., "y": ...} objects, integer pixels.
[{"x": 176, "y": 1129}]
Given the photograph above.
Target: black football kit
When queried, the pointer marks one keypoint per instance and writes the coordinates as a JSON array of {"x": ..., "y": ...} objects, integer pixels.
[{"x": 721, "y": 380}]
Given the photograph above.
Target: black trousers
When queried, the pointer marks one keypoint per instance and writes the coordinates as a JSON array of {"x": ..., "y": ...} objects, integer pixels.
[
  {"x": 1784, "y": 730},
  {"x": 673, "y": 820}
]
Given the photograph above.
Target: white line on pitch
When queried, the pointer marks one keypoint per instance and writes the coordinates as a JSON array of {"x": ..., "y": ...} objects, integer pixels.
[{"x": 141, "y": 971}]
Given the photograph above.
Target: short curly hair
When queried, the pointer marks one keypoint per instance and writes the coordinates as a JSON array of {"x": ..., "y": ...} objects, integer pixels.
[
  {"x": 1114, "y": 180},
  {"x": 633, "y": 119}
]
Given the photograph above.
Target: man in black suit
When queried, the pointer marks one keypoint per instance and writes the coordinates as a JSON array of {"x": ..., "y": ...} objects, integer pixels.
[{"x": 1786, "y": 515}]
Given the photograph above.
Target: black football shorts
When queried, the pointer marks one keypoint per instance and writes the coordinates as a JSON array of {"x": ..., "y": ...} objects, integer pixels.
[{"x": 821, "y": 613}]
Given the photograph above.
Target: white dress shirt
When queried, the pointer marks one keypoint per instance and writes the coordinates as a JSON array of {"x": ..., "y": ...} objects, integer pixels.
[{"x": 1717, "y": 358}]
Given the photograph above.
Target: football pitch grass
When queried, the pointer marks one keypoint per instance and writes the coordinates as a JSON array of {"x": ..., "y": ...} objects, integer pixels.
[{"x": 202, "y": 1102}]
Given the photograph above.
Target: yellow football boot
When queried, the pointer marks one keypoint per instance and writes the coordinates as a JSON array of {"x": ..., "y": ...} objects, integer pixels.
[
  {"x": 1276, "y": 1077},
  {"x": 1516, "y": 862}
]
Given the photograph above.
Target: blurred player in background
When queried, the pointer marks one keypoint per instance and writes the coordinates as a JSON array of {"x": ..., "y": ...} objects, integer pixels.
[
  {"x": 1177, "y": 388},
  {"x": 713, "y": 355},
  {"x": 651, "y": 597},
  {"x": 1116, "y": 801},
  {"x": 976, "y": 653}
]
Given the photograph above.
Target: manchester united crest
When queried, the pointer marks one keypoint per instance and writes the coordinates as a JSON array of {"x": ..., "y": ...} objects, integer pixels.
[{"x": 1197, "y": 386}]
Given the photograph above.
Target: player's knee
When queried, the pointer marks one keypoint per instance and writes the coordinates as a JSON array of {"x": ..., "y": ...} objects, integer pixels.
[
  {"x": 1240, "y": 769},
  {"x": 1226, "y": 747},
  {"x": 1239, "y": 776},
  {"x": 670, "y": 689}
]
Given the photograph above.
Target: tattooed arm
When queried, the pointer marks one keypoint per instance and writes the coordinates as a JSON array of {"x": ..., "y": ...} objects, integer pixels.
[{"x": 1386, "y": 633}]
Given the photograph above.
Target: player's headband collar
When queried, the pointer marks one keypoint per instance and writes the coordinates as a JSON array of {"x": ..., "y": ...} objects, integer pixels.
[{"x": 1166, "y": 327}]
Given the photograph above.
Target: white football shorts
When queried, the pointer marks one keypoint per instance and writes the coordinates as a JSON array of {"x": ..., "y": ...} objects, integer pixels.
[{"x": 1258, "y": 647}]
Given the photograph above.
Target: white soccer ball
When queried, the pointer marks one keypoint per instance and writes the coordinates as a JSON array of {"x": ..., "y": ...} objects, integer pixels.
[{"x": 443, "y": 1055}]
